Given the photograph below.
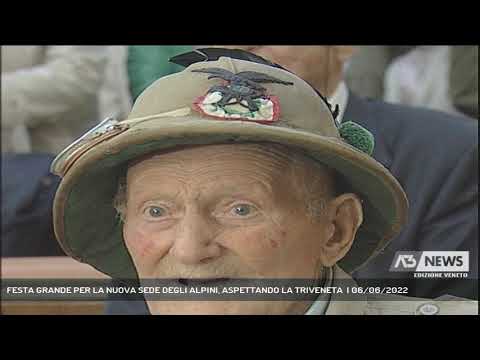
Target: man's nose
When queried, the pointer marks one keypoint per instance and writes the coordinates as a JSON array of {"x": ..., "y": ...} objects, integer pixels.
[{"x": 195, "y": 240}]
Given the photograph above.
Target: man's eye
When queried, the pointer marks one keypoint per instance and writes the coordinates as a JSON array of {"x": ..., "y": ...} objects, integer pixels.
[
  {"x": 243, "y": 210},
  {"x": 155, "y": 211}
]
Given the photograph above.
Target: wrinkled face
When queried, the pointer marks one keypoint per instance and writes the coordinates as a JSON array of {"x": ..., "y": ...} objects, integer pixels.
[
  {"x": 321, "y": 66},
  {"x": 225, "y": 212}
]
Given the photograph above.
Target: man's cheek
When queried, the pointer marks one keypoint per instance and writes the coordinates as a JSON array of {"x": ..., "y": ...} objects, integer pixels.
[
  {"x": 250, "y": 240},
  {"x": 140, "y": 243},
  {"x": 259, "y": 246}
]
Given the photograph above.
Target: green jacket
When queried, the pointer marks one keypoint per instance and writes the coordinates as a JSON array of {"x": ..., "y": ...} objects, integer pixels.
[{"x": 145, "y": 64}]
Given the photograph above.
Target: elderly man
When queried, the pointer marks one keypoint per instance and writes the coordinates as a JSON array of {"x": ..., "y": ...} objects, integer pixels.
[{"x": 233, "y": 170}]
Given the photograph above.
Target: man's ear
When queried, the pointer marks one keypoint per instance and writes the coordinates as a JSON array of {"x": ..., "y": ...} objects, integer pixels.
[
  {"x": 345, "y": 215},
  {"x": 344, "y": 53}
]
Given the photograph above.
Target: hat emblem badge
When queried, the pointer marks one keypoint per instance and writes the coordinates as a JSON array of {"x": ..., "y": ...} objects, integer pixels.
[{"x": 240, "y": 97}]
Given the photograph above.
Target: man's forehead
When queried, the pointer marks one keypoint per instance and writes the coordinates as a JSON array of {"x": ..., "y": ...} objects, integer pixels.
[
  {"x": 229, "y": 168},
  {"x": 224, "y": 154},
  {"x": 267, "y": 163}
]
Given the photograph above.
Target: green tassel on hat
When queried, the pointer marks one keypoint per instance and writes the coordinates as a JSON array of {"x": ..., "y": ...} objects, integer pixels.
[{"x": 357, "y": 136}]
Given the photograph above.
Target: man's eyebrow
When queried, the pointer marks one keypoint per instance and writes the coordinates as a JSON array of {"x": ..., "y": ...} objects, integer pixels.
[
  {"x": 245, "y": 188},
  {"x": 155, "y": 194}
]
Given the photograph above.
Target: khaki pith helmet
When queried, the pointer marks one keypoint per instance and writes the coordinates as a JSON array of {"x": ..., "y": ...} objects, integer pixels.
[{"x": 199, "y": 106}]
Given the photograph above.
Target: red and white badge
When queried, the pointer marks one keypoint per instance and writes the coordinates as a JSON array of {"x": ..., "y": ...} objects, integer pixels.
[
  {"x": 239, "y": 97},
  {"x": 268, "y": 108}
]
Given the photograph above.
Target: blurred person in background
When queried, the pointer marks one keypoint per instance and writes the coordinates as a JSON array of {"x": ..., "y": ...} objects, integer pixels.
[
  {"x": 49, "y": 98},
  {"x": 420, "y": 78},
  {"x": 49, "y": 95},
  {"x": 463, "y": 86},
  {"x": 114, "y": 95},
  {"x": 365, "y": 70},
  {"x": 443, "y": 78}
]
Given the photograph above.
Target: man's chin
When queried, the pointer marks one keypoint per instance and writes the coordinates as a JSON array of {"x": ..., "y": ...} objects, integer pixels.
[{"x": 227, "y": 307}]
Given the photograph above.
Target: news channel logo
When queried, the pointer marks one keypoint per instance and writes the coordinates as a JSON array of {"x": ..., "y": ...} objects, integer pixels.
[{"x": 442, "y": 264}]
